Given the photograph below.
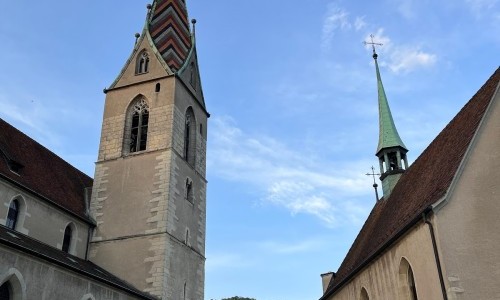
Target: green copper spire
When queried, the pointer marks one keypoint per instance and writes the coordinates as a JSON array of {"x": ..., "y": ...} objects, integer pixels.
[{"x": 388, "y": 136}]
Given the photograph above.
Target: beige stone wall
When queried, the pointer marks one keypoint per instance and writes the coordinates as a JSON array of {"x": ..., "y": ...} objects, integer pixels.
[
  {"x": 381, "y": 278},
  {"x": 161, "y": 106},
  {"x": 43, "y": 221},
  {"x": 468, "y": 222},
  {"x": 45, "y": 281}
]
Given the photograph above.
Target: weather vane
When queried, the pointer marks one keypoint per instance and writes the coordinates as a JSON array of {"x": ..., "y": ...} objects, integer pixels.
[
  {"x": 375, "y": 185},
  {"x": 373, "y": 44}
]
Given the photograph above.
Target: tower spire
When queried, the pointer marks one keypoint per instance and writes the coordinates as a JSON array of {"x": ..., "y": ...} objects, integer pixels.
[{"x": 391, "y": 150}]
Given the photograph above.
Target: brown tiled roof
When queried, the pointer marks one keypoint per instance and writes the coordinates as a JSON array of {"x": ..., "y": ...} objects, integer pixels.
[
  {"x": 41, "y": 171},
  {"x": 18, "y": 241},
  {"x": 422, "y": 185}
]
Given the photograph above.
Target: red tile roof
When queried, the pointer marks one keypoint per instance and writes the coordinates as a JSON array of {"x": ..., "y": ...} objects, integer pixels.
[
  {"x": 24, "y": 243},
  {"x": 423, "y": 184},
  {"x": 41, "y": 171}
]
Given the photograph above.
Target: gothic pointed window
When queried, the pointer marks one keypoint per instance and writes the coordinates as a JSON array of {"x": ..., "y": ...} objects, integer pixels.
[
  {"x": 364, "y": 294},
  {"x": 411, "y": 285},
  {"x": 142, "y": 63},
  {"x": 190, "y": 137},
  {"x": 5, "y": 291},
  {"x": 68, "y": 237},
  {"x": 13, "y": 214},
  {"x": 408, "y": 288},
  {"x": 138, "y": 120}
]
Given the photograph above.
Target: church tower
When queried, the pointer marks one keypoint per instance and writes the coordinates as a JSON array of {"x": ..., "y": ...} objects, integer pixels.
[
  {"x": 149, "y": 193},
  {"x": 391, "y": 150}
]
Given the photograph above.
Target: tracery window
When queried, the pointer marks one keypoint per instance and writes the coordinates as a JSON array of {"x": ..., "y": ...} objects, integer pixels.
[
  {"x": 5, "y": 291},
  {"x": 142, "y": 63},
  {"x": 138, "y": 135},
  {"x": 190, "y": 137},
  {"x": 13, "y": 214},
  {"x": 68, "y": 236}
]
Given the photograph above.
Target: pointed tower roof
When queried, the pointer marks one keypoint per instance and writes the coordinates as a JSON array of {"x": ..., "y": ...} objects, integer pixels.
[
  {"x": 169, "y": 28},
  {"x": 388, "y": 134}
]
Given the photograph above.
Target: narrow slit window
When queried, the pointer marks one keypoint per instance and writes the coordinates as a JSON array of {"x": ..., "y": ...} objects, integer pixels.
[
  {"x": 190, "y": 137},
  {"x": 189, "y": 190},
  {"x": 157, "y": 88},
  {"x": 68, "y": 235},
  {"x": 13, "y": 215}
]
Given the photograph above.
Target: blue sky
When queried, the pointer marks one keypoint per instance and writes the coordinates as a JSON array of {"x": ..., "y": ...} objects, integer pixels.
[{"x": 292, "y": 94}]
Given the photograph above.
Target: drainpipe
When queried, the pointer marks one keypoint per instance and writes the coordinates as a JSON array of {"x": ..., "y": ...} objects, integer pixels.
[{"x": 436, "y": 255}]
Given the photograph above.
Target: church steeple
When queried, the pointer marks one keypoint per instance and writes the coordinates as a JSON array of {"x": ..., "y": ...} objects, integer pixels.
[
  {"x": 391, "y": 150},
  {"x": 149, "y": 192}
]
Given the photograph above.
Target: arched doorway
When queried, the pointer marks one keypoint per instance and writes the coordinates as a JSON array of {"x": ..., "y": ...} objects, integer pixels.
[{"x": 5, "y": 291}]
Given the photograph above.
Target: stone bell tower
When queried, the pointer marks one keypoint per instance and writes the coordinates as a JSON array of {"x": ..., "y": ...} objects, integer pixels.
[{"x": 149, "y": 194}]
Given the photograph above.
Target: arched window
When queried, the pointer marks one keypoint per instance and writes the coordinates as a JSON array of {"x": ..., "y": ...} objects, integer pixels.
[
  {"x": 411, "y": 285},
  {"x": 68, "y": 236},
  {"x": 408, "y": 288},
  {"x": 142, "y": 63},
  {"x": 190, "y": 137},
  {"x": 5, "y": 291},
  {"x": 158, "y": 88},
  {"x": 13, "y": 214},
  {"x": 137, "y": 126},
  {"x": 12, "y": 286},
  {"x": 88, "y": 297},
  {"x": 364, "y": 294}
]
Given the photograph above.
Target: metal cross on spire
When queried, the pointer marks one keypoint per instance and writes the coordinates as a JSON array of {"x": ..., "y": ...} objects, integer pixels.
[
  {"x": 373, "y": 44},
  {"x": 375, "y": 185}
]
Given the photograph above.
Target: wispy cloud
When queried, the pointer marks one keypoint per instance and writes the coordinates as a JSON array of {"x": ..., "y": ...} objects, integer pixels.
[
  {"x": 407, "y": 8},
  {"x": 403, "y": 58},
  {"x": 292, "y": 247},
  {"x": 479, "y": 7},
  {"x": 285, "y": 177},
  {"x": 338, "y": 18}
]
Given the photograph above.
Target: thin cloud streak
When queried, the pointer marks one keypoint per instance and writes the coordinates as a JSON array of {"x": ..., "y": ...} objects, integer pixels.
[{"x": 286, "y": 178}]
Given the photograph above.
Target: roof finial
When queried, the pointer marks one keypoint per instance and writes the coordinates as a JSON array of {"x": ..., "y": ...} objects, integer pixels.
[
  {"x": 375, "y": 55},
  {"x": 137, "y": 36},
  {"x": 193, "y": 21},
  {"x": 375, "y": 185}
]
